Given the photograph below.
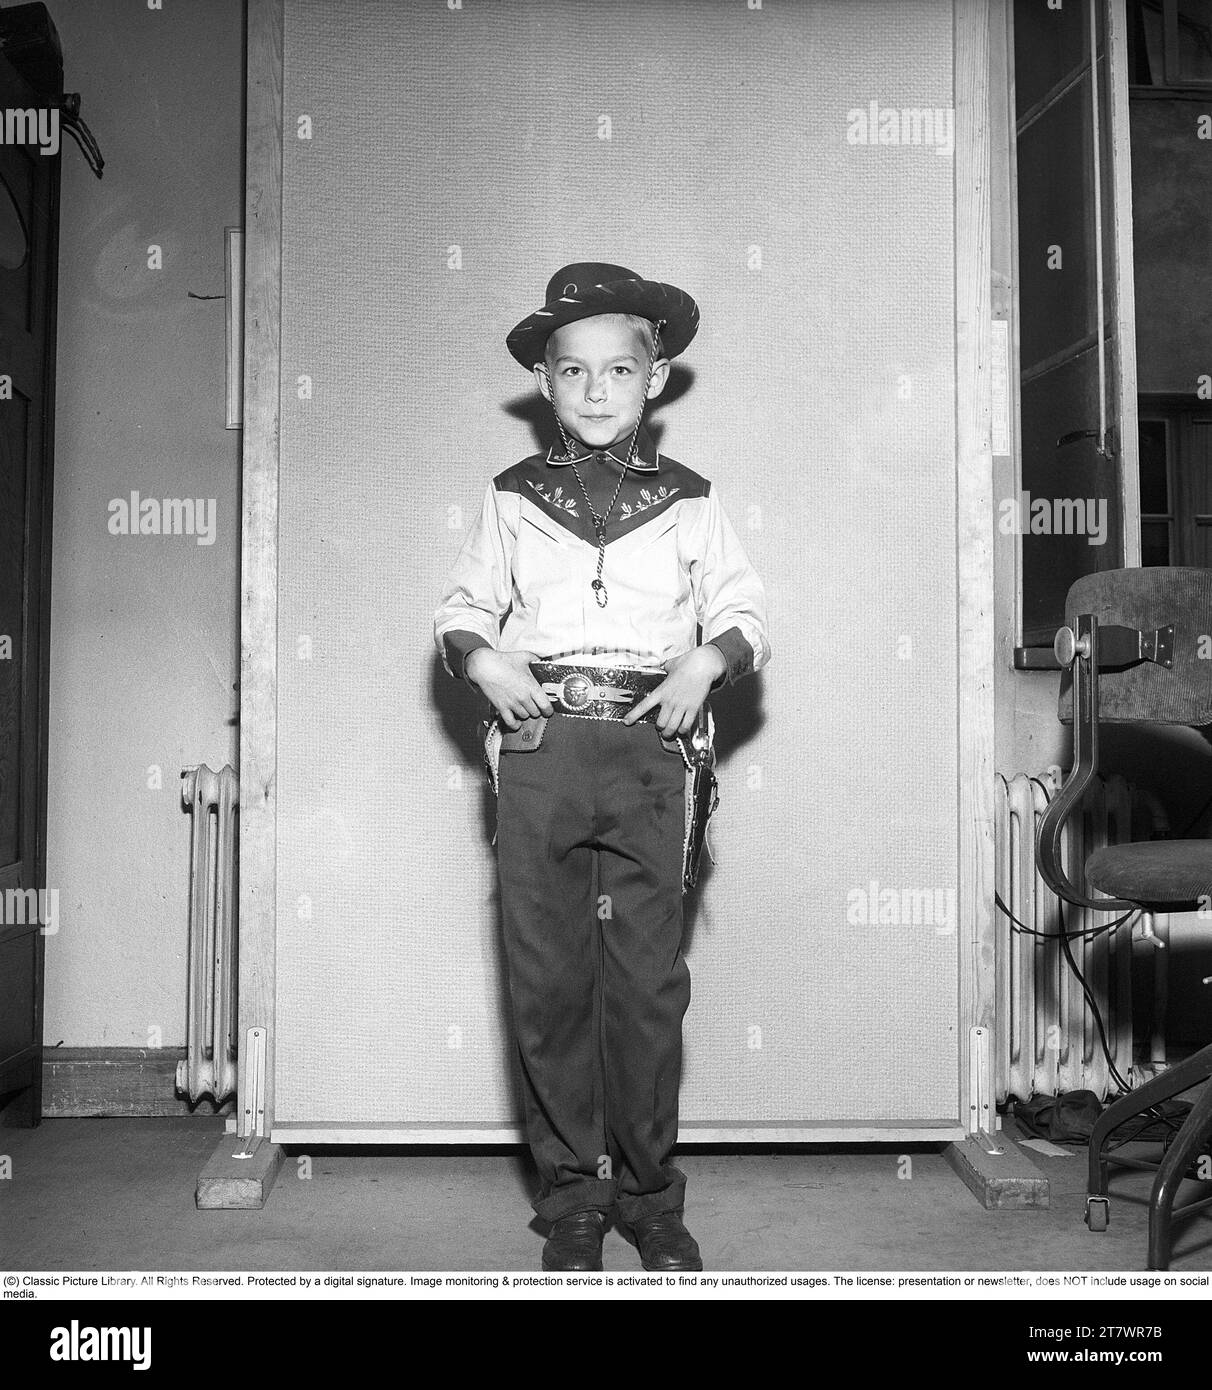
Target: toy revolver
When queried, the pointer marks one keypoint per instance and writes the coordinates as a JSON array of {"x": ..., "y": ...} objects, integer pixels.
[{"x": 702, "y": 791}]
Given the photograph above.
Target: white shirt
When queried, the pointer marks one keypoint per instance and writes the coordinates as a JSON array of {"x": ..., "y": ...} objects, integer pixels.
[{"x": 673, "y": 560}]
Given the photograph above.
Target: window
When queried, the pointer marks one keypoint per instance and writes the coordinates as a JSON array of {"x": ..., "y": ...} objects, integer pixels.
[
  {"x": 1156, "y": 518},
  {"x": 1175, "y": 486},
  {"x": 1170, "y": 43}
]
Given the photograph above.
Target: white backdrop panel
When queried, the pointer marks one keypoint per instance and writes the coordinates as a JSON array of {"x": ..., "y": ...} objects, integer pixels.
[{"x": 455, "y": 158}]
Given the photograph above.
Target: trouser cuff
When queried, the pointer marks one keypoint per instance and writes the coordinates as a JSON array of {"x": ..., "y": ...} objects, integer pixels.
[
  {"x": 593, "y": 1193},
  {"x": 634, "y": 1207}
]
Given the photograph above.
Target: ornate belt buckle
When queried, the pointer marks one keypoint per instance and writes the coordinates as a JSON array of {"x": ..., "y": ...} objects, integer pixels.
[{"x": 574, "y": 691}]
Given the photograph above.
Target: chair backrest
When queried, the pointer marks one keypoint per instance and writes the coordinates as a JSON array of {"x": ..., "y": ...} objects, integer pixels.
[{"x": 1148, "y": 599}]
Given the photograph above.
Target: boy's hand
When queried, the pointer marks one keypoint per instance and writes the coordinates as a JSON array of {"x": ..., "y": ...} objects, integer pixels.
[
  {"x": 681, "y": 694},
  {"x": 505, "y": 678}
]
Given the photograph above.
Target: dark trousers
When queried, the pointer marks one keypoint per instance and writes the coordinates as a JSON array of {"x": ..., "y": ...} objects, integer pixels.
[{"x": 589, "y": 855}]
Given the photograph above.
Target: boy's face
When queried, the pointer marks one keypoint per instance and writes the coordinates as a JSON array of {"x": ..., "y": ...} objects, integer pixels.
[{"x": 594, "y": 378}]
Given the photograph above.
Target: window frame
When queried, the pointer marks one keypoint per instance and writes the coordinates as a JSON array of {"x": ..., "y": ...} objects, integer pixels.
[
  {"x": 1180, "y": 415},
  {"x": 1172, "y": 81},
  {"x": 1157, "y": 415}
]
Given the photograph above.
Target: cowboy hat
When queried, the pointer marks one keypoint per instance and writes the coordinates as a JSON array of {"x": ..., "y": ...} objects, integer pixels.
[{"x": 586, "y": 288}]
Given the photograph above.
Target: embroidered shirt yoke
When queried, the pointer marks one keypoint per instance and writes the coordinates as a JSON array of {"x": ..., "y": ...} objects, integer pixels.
[{"x": 673, "y": 560}]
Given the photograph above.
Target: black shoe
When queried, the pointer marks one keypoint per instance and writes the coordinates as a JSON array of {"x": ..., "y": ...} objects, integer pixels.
[
  {"x": 575, "y": 1241},
  {"x": 665, "y": 1243}
]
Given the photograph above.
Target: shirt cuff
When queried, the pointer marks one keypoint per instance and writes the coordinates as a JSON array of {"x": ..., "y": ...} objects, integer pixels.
[
  {"x": 736, "y": 652},
  {"x": 458, "y": 645}
]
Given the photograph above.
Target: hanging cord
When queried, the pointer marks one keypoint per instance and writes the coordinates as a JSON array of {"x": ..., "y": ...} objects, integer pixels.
[
  {"x": 74, "y": 124},
  {"x": 569, "y": 451},
  {"x": 599, "y": 522}
]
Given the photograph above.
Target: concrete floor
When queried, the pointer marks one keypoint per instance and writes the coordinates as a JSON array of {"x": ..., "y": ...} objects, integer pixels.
[{"x": 93, "y": 1194}]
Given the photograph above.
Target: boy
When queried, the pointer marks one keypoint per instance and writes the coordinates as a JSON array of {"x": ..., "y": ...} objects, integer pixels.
[{"x": 606, "y": 555}]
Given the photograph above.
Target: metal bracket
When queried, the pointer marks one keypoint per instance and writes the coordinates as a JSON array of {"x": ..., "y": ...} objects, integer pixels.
[
  {"x": 981, "y": 1114},
  {"x": 1105, "y": 443},
  {"x": 254, "y": 1088},
  {"x": 1117, "y": 646},
  {"x": 1125, "y": 646}
]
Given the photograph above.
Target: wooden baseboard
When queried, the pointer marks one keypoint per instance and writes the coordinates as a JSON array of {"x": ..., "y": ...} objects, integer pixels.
[{"x": 115, "y": 1081}]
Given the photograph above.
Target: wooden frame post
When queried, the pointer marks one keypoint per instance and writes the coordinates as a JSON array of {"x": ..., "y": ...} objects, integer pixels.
[
  {"x": 244, "y": 1165},
  {"x": 1119, "y": 237},
  {"x": 992, "y": 1167},
  {"x": 259, "y": 554},
  {"x": 974, "y": 547}
]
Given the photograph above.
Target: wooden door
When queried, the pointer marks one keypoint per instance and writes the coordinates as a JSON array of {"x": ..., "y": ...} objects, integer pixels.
[{"x": 29, "y": 198}]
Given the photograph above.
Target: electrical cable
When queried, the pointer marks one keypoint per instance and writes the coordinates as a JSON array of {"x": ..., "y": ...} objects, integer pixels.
[
  {"x": 1091, "y": 1002},
  {"x": 1064, "y": 937},
  {"x": 1089, "y": 934}
]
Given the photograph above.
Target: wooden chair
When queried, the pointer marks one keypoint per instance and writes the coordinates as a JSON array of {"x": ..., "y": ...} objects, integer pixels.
[{"x": 1137, "y": 648}]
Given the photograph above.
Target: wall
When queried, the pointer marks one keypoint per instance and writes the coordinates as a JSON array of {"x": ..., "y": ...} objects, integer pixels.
[{"x": 144, "y": 629}]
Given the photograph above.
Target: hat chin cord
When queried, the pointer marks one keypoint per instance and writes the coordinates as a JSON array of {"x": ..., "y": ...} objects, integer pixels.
[{"x": 599, "y": 522}]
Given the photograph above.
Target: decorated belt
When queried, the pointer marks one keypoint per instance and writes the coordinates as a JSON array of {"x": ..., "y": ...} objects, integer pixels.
[{"x": 596, "y": 692}]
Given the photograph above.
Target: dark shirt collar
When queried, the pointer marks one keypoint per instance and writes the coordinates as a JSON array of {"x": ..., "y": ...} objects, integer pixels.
[{"x": 647, "y": 460}]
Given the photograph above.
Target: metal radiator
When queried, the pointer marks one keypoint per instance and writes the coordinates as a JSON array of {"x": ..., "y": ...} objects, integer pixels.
[
  {"x": 209, "y": 1067},
  {"x": 1047, "y": 1037}
]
